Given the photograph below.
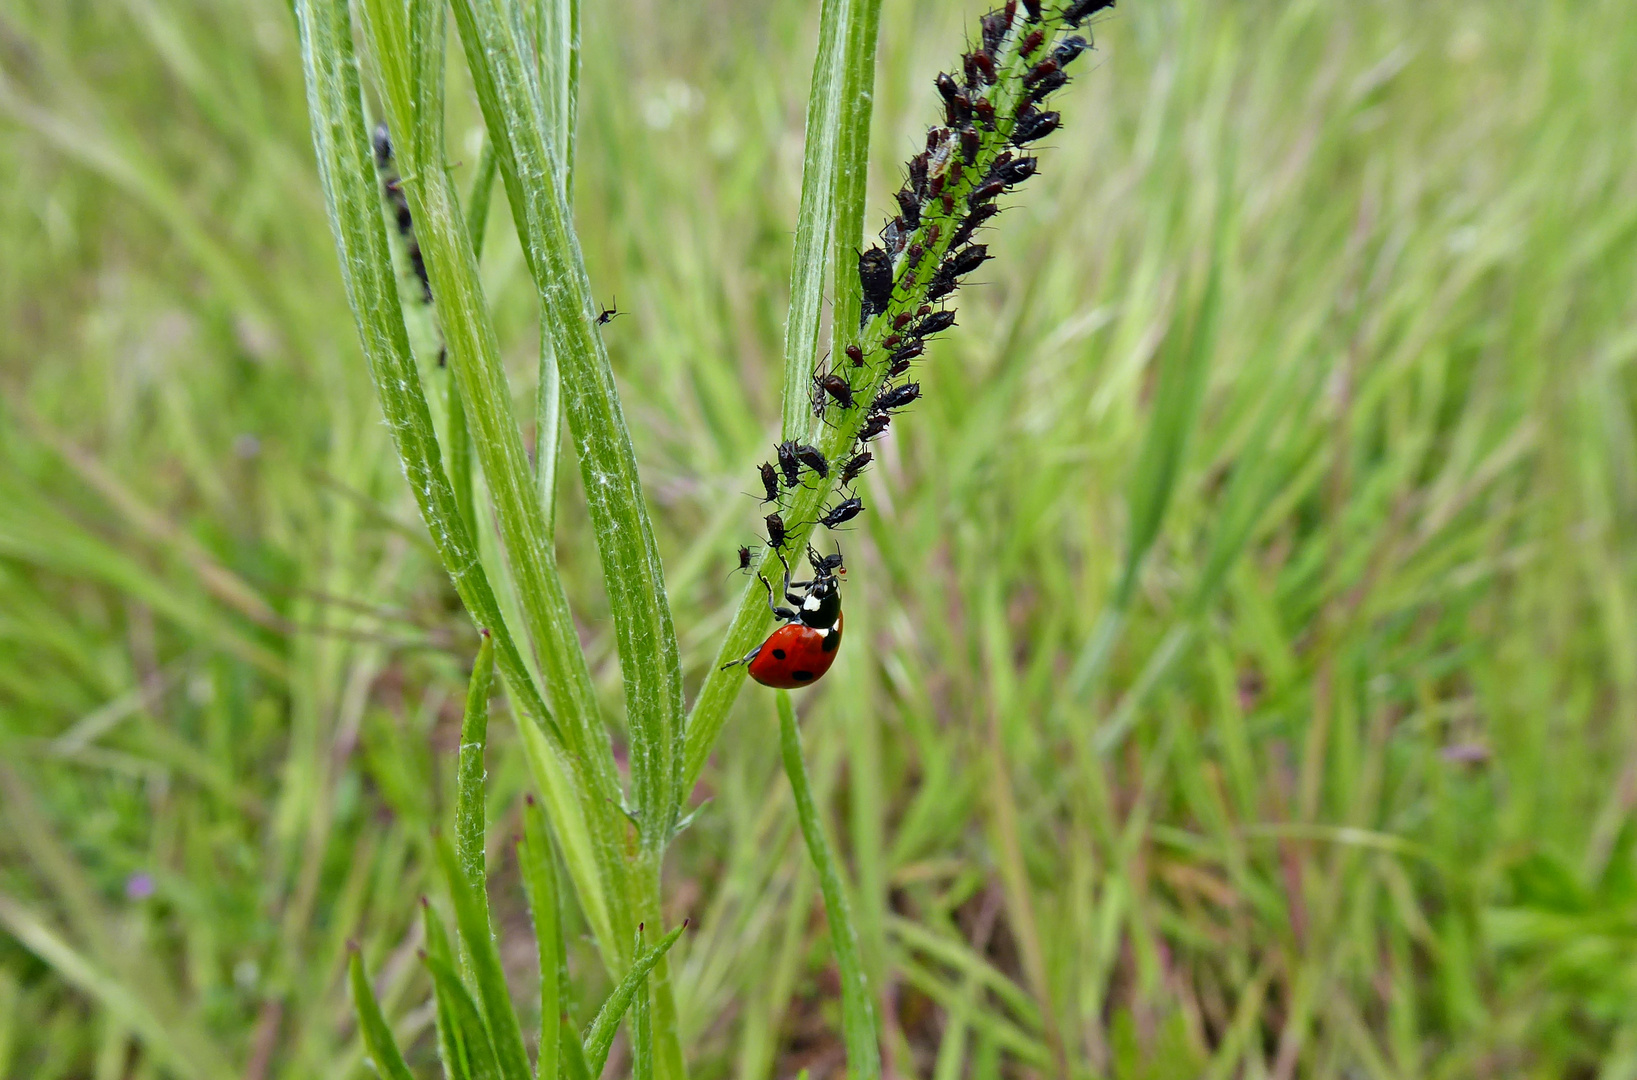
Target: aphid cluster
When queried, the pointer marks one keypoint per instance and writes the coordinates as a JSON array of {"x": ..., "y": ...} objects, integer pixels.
[
  {"x": 393, "y": 186},
  {"x": 993, "y": 112}
]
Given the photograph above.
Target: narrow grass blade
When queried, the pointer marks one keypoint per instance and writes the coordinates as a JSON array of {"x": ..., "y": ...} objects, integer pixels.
[
  {"x": 347, "y": 171},
  {"x": 473, "y": 1053},
  {"x": 539, "y": 866},
  {"x": 815, "y": 216},
  {"x": 474, "y": 736},
  {"x": 472, "y": 919},
  {"x": 378, "y": 1041},
  {"x": 832, "y": 205},
  {"x": 455, "y": 1042},
  {"x": 857, "y": 1011},
  {"x": 852, "y": 168},
  {"x": 599, "y": 1037},
  {"x": 510, "y": 99},
  {"x": 642, "y": 1031}
]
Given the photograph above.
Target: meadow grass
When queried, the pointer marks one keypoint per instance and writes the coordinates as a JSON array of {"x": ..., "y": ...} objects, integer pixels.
[{"x": 1241, "y": 664}]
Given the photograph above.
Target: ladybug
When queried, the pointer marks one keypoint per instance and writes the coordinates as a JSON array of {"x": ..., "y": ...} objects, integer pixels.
[{"x": 801, "y": 651}]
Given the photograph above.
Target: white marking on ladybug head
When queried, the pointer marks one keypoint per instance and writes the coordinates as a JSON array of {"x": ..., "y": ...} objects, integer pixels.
[{"x": 812, "y": 603}]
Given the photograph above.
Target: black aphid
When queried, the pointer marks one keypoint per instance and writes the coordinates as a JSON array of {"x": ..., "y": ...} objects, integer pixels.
[
  {"x": 936, "y": 322},
  {"x": 813, "y": 459},
  {"x": 842, "y": 512},
  {"x": 856, "y": 355},
  {"x": 789, "y": 464},
  {"x": 977, "y": 217},
  {"x": 1068, "y": 49},
  {"x": 984, "y": 110},
  {"x": 383, "y": 146},
  {"x": 744, "y": 557},
  {"x": 770, "y": 481},
  {"x": 1031, "y": 8},
  {"x": 1078, "y": 10},
  {"x": 1048, "y": 85},
  {"x": 875, "y": 275},
  {"x": 918, "y": 174},
  {"x": 1042, "y": 70},
  {"x": 609, "y": 314},
  {"x": 1031, "y": 43},
  {"x": 994, "y": 27},
  {"x": 909, "y": 207},
  {"x": 964, "y": 261},
  {"x": 909, "y": 352},
  {"x": 895, "y": 397},
  {"x": 1014, "y": 172},
  {"x": 970, "y": 142},
  {"x": 835, "y": 386},
  {"x": 873, "y": 427},
  {"x": 940, "y": 288},
  {"x": 775, "y": 529},
  {"x": 984, "y": 192},
  {"x": 854, "y": 466},
  {"x": 1032, "y": 125}
]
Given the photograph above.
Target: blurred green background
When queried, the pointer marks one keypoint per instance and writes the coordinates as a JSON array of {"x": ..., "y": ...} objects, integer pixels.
[{"x": 1352, "y": 796}]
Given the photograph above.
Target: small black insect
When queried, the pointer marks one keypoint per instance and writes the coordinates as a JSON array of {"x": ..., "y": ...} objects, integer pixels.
[
  {"x": 958, "y": 111},
  {"x": 1048, "y": 85},
  {"x": 977, "y": 217},
  {"x": 770, "y": 481},
  {"x": 1048, "y": 66},
  {"x": 969, "y": 144},
  {"x": 875, "y": 275},
  {"x": 874, "y": 426},
  {"x": 935, "y": 323},
  {"x": 383, "y": 146},
  {"x": 964, "y": 261},
  {"x": 789, "y": 464},
  {"x": 994, "y": 27},
  {"x": 984, "y": 110},
  {"x": 969, "y": 64},
  {"x": 933, "y": 231},
  {"x": 1068, "y": 49},
  {"x": 854, "y": 466},
  {"x": 948, "y": 202},
  {"x": 856, "y": 355},
  {"x": 918, "y": 174},
  {"x": 948, "y": 89},
  {"x": 895, "y": 397},
  {"x": 1014, "y": 172},
  {"x": 1032, "y": 125},
  {"x": 892, "y": 341},
  {"x": 1029, "y": 44},
  {"x": 939, "y": 288},
  {"x": 909, "y": 207},
  {"x": 985, "y": 192},
  {"x": 842, "y": 512},
  {"x": 836, "y": 387},
  {"x": 825, "y": 564},
  {"x": 913, "y": 253},
  {"x": 897, "y": 368},
  {"x": 1076, "y": 12},
  {"x": 985, "y": 63},
  {"x": 744, "y": 558},
  {"x": 1031, "y": 8},
  {"x": 813, "y": 459},
  {"x": 775, "y": 530},
  {"x": 901, "y": 320},
  {"x": 909, "y": 352},
  {"x": 609, "y": 314}
]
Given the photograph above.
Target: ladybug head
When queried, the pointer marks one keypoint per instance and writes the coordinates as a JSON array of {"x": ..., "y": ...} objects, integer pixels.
[{"x": 821, "y": 607}]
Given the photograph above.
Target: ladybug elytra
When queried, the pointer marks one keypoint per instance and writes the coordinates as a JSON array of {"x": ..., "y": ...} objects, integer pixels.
[{"x": 799, "y": 652}]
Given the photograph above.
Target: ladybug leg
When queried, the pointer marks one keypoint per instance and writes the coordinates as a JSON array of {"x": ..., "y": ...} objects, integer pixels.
[
  {"x": 745, "y": 659},
  {"x": 781, "y": 613}
]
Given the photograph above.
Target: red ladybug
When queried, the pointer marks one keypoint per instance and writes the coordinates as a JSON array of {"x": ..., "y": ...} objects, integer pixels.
[{"x": 802, "y": 650}]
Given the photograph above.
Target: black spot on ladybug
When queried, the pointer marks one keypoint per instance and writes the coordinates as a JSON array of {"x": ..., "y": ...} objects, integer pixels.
[
  {"x": 802, "y": 676},
  {"x": 778, "y": 654},
  {"x": 831, "y": 643}
]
